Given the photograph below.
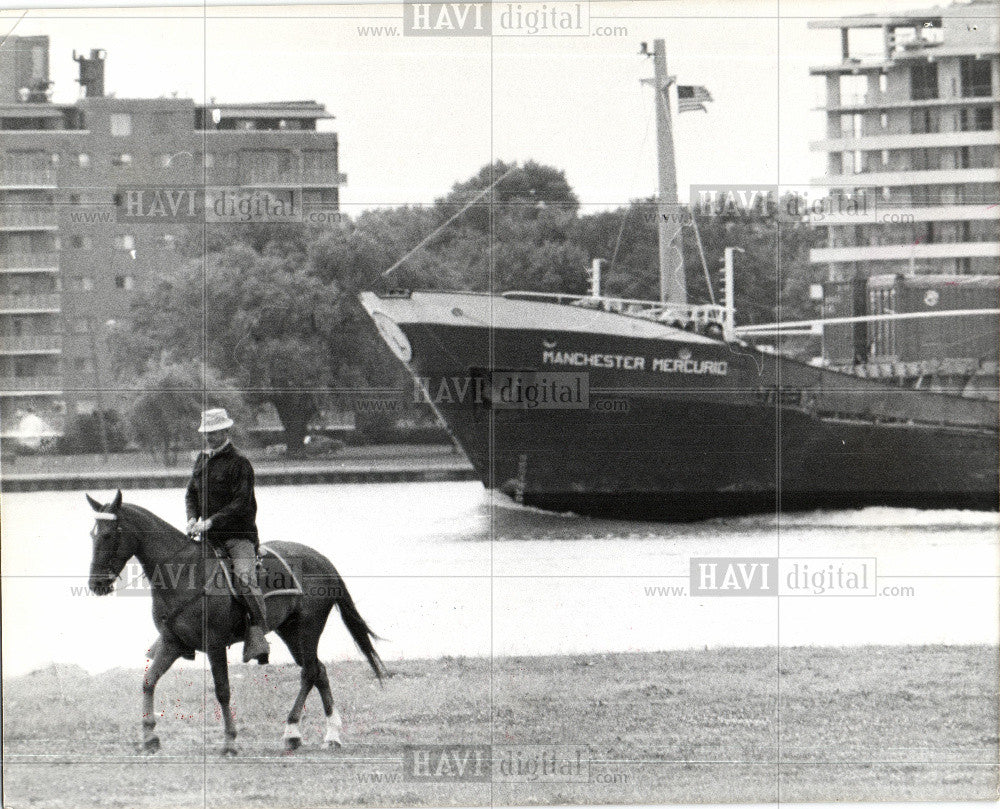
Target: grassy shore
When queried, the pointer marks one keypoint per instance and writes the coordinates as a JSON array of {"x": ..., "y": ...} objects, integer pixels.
[{"x": 747, "y": 725}]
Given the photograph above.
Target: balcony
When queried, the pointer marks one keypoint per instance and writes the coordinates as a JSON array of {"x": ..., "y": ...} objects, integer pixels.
[
  {"x": 888, "y": 213},
  {"x": 29, "y": 304},
  {"x": 876, "y": 179},
  {"x": 35, "y": 218},
  {"x": 31, "y": 344},
  {"x": 926, "y": 140},
  {"x": 906, "y": 252},
  {"x": 274, "y": 177},
  {"x": 30, "y": 385},
  {"x": 29, "y": 262},
  {"x": 28, "y": 178},
  {"x": 880, "y": 102}
]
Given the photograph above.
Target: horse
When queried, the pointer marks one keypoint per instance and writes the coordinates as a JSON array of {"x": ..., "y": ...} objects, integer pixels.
[{"x": 190, "y": 614}]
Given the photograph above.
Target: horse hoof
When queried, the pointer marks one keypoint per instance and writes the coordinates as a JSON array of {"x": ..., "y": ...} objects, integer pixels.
[
  {"x": 293, "y": 743},
  {"x": 152, "y": 744},
  {"x": 229, "y": 751},
  {"x": 332, "y": 744}
]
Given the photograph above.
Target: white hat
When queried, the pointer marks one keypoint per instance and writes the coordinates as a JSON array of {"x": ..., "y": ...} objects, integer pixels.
[{"x": 214, "y": 420}]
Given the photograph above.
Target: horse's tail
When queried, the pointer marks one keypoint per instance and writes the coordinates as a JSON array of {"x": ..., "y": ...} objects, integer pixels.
[{"x": 360, "y": 631}]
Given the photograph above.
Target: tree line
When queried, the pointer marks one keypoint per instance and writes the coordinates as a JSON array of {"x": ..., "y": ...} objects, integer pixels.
[{"x": 267, "y": 313}]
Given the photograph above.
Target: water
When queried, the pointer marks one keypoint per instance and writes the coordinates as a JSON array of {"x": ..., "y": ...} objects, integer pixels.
[{"x": 446, "y": 569}]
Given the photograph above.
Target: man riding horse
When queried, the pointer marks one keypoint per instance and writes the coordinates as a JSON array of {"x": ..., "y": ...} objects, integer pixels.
[{"x": 222, "y": 506}]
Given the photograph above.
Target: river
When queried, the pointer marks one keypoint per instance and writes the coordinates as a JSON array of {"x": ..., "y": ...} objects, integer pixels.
[{"x": 446, "y": 569}]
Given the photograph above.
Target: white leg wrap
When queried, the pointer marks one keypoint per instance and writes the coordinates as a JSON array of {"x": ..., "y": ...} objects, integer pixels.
[{"x": 333, "y": 727}]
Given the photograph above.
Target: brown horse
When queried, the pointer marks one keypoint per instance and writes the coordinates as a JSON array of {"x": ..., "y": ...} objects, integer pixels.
[{"x": 192, "y": 611}]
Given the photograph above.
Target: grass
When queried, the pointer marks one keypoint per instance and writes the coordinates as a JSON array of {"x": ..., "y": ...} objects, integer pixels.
[{"x": 874, "y": 723}]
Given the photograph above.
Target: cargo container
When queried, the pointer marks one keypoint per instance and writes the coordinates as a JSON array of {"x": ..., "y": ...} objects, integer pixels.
[
  {"x": 847, "y": 343},
  {"x": 974, "y": 338}
]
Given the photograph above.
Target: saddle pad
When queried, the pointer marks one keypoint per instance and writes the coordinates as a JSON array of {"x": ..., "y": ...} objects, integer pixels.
[{"x": 274, "y": 575}]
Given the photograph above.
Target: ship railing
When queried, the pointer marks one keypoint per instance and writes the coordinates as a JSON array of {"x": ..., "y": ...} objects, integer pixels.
[{"x": 682, "y": 315}]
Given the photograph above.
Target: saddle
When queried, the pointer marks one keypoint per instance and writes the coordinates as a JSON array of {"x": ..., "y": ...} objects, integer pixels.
[{"x": 279, "y": 580}]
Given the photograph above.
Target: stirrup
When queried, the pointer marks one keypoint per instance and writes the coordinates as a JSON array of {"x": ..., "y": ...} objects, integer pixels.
[{"x": 255, "y": 638}]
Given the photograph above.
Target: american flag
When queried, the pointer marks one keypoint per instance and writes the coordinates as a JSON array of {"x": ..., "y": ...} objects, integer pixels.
[{"x": 691, "y": 97}]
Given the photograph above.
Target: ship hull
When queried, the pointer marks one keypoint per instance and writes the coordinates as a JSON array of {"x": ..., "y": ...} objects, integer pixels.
[{"x": 677, "y": 426}]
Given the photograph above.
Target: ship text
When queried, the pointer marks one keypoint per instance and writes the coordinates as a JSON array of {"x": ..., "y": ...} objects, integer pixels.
[{"x": 666, "y": 365}]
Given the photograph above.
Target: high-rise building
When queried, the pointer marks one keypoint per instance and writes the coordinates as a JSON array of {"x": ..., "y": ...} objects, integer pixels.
[
  {"x": 912, "y": 144},
  {"x": 69, "y": 259}
]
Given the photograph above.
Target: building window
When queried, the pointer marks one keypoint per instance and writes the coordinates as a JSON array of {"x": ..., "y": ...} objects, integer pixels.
[
  {"x": 165, "y": 241},
  {"x": 885, "y": 157},
  {"x": 924, "y": 81},
  {"x": 883, "y": 82},
  {"x": 164, "y": 160},
  {"x": 38, "y": 60},
  {"x": 122, "y": 160},
  {"x": 976, "y": 119},
  {"x": 208, "y": 160},
  {"x": 86, "y": 407},
  {"x": 81, "y": 242},
  {"x": 125, "y": 241},
  {"x": 74, "y": 199},
  {"x": 883, "y": 119},
  {"x": 162, "y": 122},
  {"x": 79, "y": 325},
  {"x": 977, "y": 79},
  {"x": 84, "y": 160},
  {"x": 83, "y": 364},
  {"x": 924, "y": 122},
  {"x": 82, "y": 283},
  {"x": 121, "y": 124},
  {"x": 126, "y": 282}
]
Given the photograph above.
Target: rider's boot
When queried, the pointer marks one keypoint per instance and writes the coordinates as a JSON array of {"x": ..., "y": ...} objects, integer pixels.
[{"x": 255, "y": 646}]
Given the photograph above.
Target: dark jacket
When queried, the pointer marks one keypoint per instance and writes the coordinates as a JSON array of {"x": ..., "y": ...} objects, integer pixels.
[{"x": 221, "y": 489}]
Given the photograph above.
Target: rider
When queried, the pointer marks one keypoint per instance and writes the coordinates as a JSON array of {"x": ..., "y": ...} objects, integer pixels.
[{"x": 221, "y": 504}]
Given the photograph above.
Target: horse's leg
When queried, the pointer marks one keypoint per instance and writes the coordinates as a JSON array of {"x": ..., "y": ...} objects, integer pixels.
[
  {"x": 220, "y": 674},
  {"x": 333, "y": 721},
  {"x": 290, "y": 632},
  {"x": 166, "y": 654},
  {"x": 307, "y": 679}
]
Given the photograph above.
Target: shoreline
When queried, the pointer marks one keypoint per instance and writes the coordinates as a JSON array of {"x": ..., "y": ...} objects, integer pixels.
[
  {"x": 60, "y": 668},
  {"x": 373, "y": 464}
]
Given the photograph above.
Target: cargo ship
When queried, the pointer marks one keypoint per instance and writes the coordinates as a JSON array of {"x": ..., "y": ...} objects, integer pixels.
[{"x": 665, "y": 410}]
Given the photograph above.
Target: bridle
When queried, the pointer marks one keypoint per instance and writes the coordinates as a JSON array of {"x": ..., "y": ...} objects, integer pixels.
[{"x": 104, "y": 516}]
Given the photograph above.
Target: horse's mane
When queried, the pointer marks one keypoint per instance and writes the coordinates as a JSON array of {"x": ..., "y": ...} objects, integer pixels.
[{"x": 144, "y": 514}]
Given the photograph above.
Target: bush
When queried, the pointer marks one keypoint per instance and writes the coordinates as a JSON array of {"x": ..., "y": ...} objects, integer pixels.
[{"x": 83, "y": 434}]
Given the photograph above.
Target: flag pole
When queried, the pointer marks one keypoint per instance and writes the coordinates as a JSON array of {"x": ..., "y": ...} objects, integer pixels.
[{"x": 673, "y": 286}]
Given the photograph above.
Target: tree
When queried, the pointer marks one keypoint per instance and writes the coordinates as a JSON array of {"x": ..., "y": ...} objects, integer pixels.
[
  {"x": 262, "y": 322},
  {"x": 83, "y": 433},
  {"x": 170, "y": 396}
]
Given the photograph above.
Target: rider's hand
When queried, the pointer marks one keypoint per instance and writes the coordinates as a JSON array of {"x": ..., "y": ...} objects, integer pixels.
[{"x": 190, "y": 526}]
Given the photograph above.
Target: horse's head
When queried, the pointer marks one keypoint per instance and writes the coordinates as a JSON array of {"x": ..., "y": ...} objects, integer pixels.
[{"x": 112, "y": 547}]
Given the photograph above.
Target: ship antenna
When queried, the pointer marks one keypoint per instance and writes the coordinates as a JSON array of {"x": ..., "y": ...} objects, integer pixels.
[{"x": 673, "y": 287}]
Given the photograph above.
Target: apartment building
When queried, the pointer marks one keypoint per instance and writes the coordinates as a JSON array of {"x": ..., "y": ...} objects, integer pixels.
[
  {"x": 912, "y": 143},
  {"x": 69, "y": 261}
]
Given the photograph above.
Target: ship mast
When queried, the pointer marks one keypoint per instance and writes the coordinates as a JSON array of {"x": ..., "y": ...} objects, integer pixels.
[{"x": 673, "y": 286}]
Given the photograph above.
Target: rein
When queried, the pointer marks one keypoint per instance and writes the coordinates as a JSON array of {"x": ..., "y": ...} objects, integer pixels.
[{"x": 178, "y": 609}]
